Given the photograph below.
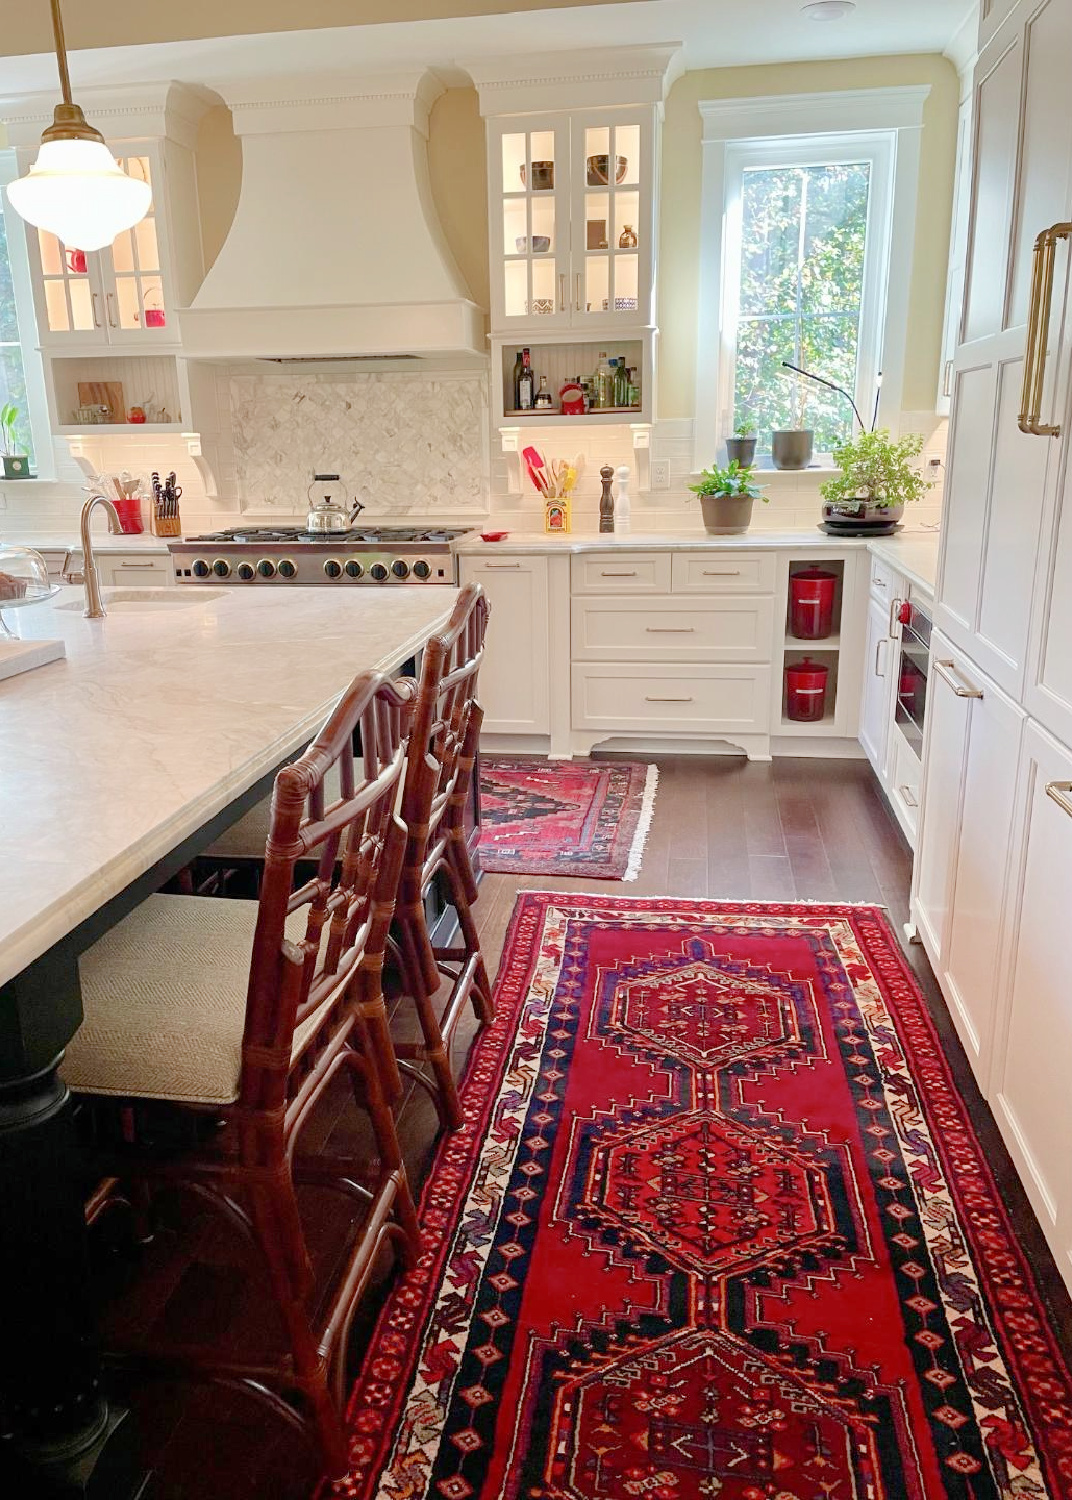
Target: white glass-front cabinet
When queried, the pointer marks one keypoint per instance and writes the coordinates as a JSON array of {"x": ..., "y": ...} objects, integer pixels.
[
  {"x": 117, "y": 296},
  {"x": 573, "y": 222}
]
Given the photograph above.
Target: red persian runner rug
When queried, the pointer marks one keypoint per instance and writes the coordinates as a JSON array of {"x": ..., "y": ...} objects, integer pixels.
[
  {"x": 716, "y": 1228},
  {"x": 546, "y": 817}
]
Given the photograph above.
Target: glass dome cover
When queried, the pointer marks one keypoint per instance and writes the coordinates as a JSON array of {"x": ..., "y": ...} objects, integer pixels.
[{"x": 23, "y": 579}]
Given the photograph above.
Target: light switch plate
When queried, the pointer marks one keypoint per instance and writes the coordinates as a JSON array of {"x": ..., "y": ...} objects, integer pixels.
[{"x": 660, "y": 473}]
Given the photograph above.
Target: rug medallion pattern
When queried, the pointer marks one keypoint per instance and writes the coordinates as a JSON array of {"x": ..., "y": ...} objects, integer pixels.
[{"x": 716, "y": 1228}]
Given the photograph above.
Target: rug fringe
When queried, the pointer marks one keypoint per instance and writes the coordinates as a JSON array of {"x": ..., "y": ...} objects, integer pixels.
[{"x": 647, "y": 810}]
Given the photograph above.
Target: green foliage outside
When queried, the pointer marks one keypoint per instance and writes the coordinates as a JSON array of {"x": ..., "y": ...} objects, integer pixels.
[
  {"x": 12, "y": 375},
  {"x": 734, "y": 479},
  {"x": 875, "y": 468},
  {"x": 803, "y": 237}
]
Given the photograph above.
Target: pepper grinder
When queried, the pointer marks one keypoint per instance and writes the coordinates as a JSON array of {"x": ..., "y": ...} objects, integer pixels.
[
  {"x": 622, "y": 507},
  {"x": 606, "y": 499}
]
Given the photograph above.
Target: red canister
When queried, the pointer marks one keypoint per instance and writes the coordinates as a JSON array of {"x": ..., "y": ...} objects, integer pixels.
[
  {"x": 805, "y": 691},
  {"x": 811, "y": 604}
]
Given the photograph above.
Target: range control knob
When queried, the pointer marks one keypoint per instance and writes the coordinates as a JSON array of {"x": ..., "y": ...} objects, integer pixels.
[
  {"x": 421, "y": 569},
  {"x": 266, "y": 567},
  {"x": 222, "y": 568},
  {"x": 200, "y": 568},
  {"x": 287, "y": 569},
  {"x": 245, "y": 571},
  {"x": 333, "y": 568},
  {"x": 399, "y": 568},
  {"x": 353, "y": 568},
  {"x": 379, "y": 572}
]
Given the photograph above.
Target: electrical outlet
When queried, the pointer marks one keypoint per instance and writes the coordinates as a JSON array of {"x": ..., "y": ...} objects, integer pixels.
[{"x": 660, "y": 473}]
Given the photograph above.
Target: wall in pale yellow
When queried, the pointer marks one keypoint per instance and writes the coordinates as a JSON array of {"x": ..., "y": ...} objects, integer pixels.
[{"x": 679, "y": 230}]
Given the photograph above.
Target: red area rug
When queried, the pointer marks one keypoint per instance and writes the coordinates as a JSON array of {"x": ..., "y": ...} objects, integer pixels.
[
  {"x": 717, "y": 1225},
  {"x": 564, "y": 817}
]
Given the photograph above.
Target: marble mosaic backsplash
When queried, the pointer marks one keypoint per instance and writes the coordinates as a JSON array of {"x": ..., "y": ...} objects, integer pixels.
[{"x": 403, "y": 443}]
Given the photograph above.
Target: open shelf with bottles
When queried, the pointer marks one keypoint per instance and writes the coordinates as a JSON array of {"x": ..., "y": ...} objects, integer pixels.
[
  {"x": 111, "y": 387},
  {"x": 563, "y": 361}
]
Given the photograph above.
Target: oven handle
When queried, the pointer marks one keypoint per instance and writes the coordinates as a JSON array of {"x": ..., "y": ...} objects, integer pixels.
[{"x": 961, "y": 685}]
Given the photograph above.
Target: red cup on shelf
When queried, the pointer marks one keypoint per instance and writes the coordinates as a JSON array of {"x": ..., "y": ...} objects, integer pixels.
[
  {"x": 811, "y": 604},
  {"x": 129, "y": 512},
  {"x": 805, "y": 691}
]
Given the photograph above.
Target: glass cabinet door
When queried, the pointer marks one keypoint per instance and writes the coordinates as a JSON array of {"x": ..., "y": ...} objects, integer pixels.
[
  {"x": 612, "y": 219},
  {"x": 135, "y": 304},
  {"x": 529, "y": 175},
  {"x": 69, "y": 293}
]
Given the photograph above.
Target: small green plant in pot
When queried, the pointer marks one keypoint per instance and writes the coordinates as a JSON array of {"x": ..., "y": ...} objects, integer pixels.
[
  {"x": 741, "y": 447},
  {"x": 877, "y": 480},
  {"x": 16, "y": 464},
  {"x": 726, "y": 497}
]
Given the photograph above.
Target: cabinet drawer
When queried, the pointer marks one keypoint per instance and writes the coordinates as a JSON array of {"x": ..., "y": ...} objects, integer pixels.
[
  {"x": 621, "y": 573},
  {"x": 123, "y": 571},
  {"x": 672, "y": 629},
  {"x": 619, "y": 697},
  {"x": 885, "y": 581},
  {"x": 905, "y": 778},
  {"x": 726, "y": 572}
]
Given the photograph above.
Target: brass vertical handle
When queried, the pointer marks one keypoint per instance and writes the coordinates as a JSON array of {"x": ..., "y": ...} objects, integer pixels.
[
  {"x": 895, "y": 605},
  {"x": 880, "y": 671},
  {"x": 109, "y": 303},
  {"x": 96, "y": 309},
  {"x": 1061, "y": 793},
  {"x": 562, "y": 291},
  {"x": 577, "y": 291},
  {"x": 1043, "y": 258}
]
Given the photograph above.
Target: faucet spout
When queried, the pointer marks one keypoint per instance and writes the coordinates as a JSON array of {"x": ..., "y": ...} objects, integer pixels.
[{"x": 94, "y": 609}]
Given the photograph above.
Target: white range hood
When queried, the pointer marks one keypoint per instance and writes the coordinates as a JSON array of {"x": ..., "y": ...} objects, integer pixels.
[{"x": 335, "y": 250}]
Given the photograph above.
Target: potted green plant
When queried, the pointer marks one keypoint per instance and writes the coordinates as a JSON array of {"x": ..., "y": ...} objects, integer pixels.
[
  {"x": 741, "y": 447},
  {"x": 726, "y": 497},
  {"x": 792, "y": 447},
  {"x": 877, "y": 480},
  {"x": 16, "y": 464}
]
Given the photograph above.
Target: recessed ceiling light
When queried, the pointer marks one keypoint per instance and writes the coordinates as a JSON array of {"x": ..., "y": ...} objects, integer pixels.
[{"x": 828, "y": 10}]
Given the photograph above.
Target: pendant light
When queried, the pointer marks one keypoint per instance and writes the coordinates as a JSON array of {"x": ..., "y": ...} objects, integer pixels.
[{"x": 76, "y": 189}]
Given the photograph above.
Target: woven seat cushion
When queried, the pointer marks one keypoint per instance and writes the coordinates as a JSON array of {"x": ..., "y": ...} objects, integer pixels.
[
  {"x": 246, "y": 839},
  {"x": 164, "y": 996}
]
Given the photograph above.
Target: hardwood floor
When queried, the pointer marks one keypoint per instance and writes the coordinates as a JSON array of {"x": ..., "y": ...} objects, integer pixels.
[{"x": 793, "y": 830}]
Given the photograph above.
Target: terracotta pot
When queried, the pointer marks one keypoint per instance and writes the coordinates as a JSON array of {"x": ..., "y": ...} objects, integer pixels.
[
  {"x": 725, "y": 514},
  {"x": 792, "y": 448},
  {"x": 743, "y": 449},
  {"x": 860, "y": 517}
]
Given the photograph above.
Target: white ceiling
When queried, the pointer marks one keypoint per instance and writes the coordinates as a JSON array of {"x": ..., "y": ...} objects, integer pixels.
[{"x": 714, "y": 33}]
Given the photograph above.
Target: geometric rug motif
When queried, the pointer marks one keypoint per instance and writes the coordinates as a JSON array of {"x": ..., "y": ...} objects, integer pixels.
[
  {"x": 716, "y": 1227},
  {"x": 585, "y": 817}
]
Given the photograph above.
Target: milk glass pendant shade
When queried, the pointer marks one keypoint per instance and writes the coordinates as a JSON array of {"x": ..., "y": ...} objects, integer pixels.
[{"x": 76, "y": 188}]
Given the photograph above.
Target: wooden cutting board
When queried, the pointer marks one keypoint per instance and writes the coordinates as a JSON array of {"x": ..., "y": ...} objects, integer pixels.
[
  {"x": 107, "y": 393},
  {"x": 23, "y": 656}
]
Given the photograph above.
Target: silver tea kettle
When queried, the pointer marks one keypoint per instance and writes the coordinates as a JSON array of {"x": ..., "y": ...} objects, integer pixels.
[{"x": 327, "y": 515}]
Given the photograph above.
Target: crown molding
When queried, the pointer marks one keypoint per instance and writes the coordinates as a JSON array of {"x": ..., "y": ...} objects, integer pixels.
[
  {"x": 168, "y": 109},
  {"x": 523, "y": 83},
  {"x": 963, "y": 47},
  {"x": 332, "y": 101},
  {"x": 814, "y": 114}
]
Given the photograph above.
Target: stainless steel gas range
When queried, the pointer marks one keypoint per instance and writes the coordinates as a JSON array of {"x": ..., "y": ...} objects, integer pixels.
[{"x": 279, "y": 555}]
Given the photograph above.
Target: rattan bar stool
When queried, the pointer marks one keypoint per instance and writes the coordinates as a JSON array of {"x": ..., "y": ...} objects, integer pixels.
[
  {"x": 249, "y": 1010},
  {"x": 442, "y": 759}
]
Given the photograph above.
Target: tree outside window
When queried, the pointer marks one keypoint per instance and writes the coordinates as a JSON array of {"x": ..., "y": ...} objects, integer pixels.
[
  {"x": 12, "y": 367},
  {"x": 803, "y": 243}
]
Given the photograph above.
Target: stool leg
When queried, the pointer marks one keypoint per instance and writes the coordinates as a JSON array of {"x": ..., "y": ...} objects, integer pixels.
[{"x": 456, "y": 865}]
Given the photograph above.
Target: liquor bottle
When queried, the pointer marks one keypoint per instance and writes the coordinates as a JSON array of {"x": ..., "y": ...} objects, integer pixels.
[
  {"x": 526, "y": 385},
  {"x": 602, "y": 384},
  {"x": 621, "y": 384},
  {"x": 544, "y": 400},
  {"x": 519, "y": 366}
]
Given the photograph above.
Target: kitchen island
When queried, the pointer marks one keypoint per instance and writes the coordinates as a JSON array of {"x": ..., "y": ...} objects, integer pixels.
[{"x": 162, "y": 724}]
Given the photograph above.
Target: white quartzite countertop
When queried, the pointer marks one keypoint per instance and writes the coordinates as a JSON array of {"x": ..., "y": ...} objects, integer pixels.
[
  {"x": 103, "y": 541},
  {"x": 156, "y": 720},
  {"x": 914, "y": 553}
]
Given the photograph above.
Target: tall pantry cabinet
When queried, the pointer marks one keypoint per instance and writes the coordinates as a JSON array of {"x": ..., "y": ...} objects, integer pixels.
[{"x": 995, "y": 848}]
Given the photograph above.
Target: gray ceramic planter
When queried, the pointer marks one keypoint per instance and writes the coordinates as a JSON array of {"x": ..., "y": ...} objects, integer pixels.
[
  {"x": 743, "y": 449},
  {"x": 725, "y": 514},
  {"x": 792, "y": 448}
]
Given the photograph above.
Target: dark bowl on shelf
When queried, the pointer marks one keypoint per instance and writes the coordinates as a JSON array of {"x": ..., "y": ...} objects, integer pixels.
[
  {"x": 543, "y": 176},
  {"x": 599, "y": 170},
  {"x": 541, "y": 243}
]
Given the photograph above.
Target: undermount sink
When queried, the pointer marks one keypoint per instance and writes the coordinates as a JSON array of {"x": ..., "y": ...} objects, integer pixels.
[{"x": 128, "y": 601}]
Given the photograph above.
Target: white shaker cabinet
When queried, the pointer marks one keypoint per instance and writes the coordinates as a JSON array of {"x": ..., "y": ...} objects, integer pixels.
[
  {"x": 1030, "y": 1094},
  {"x": 880, "y": 666},
  {"x": 515, "y": 675},
  {"x": 973, "y": 746}
]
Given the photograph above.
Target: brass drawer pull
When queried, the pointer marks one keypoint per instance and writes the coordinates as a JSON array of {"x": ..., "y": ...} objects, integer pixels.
[
  {"x": 670, "y": 629},
  {"x": 490, "y": 565},
  {"x": 722, "y": 572},
  {"x": 956, "y": 680},
  {"x": 137, "y": 565},
  {"x": 649, "y": 699},
  {"x": 605, "y": 574},
  {"x": 1043, "y": 257},
  {"x": 1061, "y": 793}
]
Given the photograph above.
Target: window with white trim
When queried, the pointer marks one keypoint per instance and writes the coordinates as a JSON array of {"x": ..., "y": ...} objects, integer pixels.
[
  {"x": 803, "y": 259},
  {"x": 21, "y": 373}
]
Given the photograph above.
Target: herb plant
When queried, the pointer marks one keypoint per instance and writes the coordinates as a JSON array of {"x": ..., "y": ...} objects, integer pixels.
[{"x": 734, "y": 479}]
